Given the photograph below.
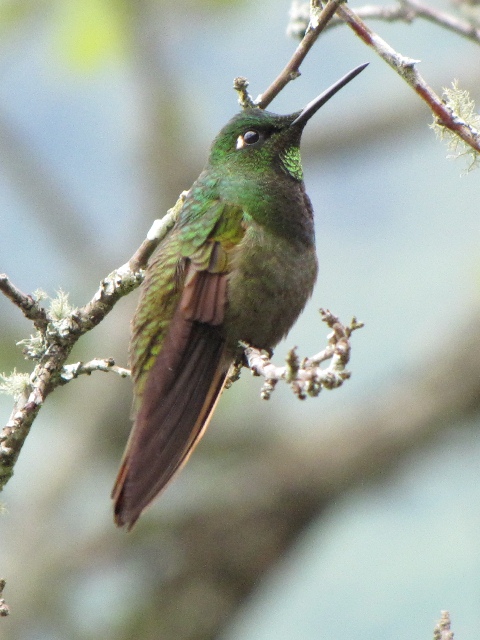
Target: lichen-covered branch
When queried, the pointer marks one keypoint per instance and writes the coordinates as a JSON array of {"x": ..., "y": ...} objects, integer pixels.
[
  {"x": 458, "y": 101},
  {"x": 158, "y": 230},
  {"x": 58, "y": 329},
  {"x": 60, "y": 326},
  {"x": 245, "y": 100},
  {"x": 27, "y": 304}
]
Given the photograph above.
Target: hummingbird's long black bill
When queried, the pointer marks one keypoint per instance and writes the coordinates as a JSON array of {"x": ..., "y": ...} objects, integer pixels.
[{"x": 313, "y": 106}]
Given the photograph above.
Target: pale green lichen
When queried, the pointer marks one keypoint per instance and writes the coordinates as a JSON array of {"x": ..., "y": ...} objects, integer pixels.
[
  {"x": 463, "y": 108},
  {"x": 60, "y": 308},
  {"x": 33, "y": 347},
  {"x": 15, "y": 384},
  {"x": 59, "y": 314},
  {"x": 40, "y": 294}
]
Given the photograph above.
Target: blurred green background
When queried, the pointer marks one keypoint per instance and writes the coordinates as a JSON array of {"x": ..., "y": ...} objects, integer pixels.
[{"x": 353, "y": 514}]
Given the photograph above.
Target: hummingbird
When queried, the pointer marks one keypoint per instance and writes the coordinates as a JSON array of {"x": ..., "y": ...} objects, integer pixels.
[{"x": 238, "y": 265}]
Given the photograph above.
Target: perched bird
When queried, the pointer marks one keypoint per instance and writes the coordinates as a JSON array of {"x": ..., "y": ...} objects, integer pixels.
[{"x": 238, "y": 265}]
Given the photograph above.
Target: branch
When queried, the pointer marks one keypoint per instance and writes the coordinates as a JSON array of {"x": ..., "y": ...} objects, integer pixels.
[
  {"x": 157, "y": 232},
  {"x": 444, "y": 112},
  {"x": 62, "y": 326},
  {"x": 4, "y": 608},
  {"x": 58, "y": 329},
  {"x": 107, "y": 365},
  {"x": 405, "y": 67},
  {"x": 404, "y": 11},
  {"x": 27, "y": 304},
  {"x": 306, "y": 378},
  {"x": 442, "y": 630},
  {"x": 318, "y": 22},
  {"x": 245, "y": 100},
  {"x": 443, "y": 19}
]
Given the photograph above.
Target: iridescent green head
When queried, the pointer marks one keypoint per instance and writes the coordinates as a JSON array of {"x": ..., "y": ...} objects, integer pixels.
[{"x": 255, "y": 140}]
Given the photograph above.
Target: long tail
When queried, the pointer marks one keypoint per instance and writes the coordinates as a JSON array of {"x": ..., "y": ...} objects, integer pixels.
[{"x": 176, "y": 408}]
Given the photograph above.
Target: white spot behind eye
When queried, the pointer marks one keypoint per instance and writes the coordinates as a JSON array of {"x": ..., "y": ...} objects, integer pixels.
[{"x": 248, "y": 139}]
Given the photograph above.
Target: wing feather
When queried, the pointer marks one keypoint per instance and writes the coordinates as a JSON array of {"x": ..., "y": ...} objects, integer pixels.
[
  {"x": 180, "y": 393},
  {"x": 178, "y": 355}
]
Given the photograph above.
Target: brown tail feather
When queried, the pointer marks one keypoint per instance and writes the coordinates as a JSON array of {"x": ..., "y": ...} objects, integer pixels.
[{"x": 172, "y": 420}]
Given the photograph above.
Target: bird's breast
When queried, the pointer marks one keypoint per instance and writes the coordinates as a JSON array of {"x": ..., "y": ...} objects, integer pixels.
[{"x": 271, "y": 279}]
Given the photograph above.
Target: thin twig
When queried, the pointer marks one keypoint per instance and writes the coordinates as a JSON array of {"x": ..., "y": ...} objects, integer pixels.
[
  {"x": 30, "y": 308},
  {"x": 443, "y": 19},
  {"x": 317, "y": 24},
  {"x": 245, "y": 100},
  {"x": 443, "y": 630},
  {"x": 305, "y": 377},
  {"x": 407, "y": 11},
  {"x": 107, "y": 365}
]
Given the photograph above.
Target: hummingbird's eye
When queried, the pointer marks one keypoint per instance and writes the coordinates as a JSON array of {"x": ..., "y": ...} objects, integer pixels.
[
  {"x": 250, "y": 137},
  {"x": 247, "y": 139}
]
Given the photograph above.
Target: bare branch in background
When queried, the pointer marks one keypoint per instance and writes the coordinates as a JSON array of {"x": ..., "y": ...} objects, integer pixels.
[
  {"x": 408, "y": 10},
  {"x": 404, "y": 11}
]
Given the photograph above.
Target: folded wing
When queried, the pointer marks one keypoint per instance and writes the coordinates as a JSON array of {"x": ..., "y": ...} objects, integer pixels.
[{"x": 179, "y": 367}]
